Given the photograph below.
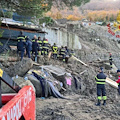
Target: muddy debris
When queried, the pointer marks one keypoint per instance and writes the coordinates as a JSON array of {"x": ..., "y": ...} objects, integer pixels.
[{"x": 20, "y": 68}]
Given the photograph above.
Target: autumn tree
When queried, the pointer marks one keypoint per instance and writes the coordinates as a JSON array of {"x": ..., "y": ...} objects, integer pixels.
[{"x": 37, "y": 7}]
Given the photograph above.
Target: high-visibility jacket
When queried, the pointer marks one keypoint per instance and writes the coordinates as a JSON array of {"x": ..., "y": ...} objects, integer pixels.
[
  {"x": 33, "y": 40},
  {"x": 40, "y": 42},
  {"x": 62, "y": 51},
  {"x": 45, "y": 44},
  {"x": 100, "y": 78},
  {"x": 55, "y": 49},
  {"x": 110, "y": 58},
  {"x": 72, "y": 53},
  {"x": 21, "y": 37}
]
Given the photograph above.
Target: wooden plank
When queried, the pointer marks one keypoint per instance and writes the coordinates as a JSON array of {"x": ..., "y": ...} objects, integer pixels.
[
  {"x": 49, "y": 55},
  {"x": 9, "y": 59},
  {"x": 13, "y": 47},
  {"x": 73, "y": 57},
  {"x": 112, "y": 83}
]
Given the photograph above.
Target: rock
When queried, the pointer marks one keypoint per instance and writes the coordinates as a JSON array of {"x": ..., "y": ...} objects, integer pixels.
[
  {"x": 1, "y": 66},
  {"x": 36, "y": 84},
  {"x": 107, "y": 66},
  {"x": 114, "y": 68},
  {"x": 20, "y": 68},
  {"x": 27, "y": 83}
]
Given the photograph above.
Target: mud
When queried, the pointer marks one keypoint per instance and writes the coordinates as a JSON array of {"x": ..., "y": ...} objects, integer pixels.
[
  {"x": 81, "y": 105},
  {"x": 79, "y": 108}
]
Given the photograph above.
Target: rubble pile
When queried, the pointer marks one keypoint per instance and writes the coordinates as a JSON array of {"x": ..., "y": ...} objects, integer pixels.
[{"x": 73, "y": 82}]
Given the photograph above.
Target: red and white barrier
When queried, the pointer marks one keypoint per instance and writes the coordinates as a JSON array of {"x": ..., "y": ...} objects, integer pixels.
[{"x": 22, "y": 104}]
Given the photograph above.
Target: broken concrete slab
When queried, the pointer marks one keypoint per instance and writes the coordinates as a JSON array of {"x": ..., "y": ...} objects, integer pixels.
[{"x": 20, "y": 68}]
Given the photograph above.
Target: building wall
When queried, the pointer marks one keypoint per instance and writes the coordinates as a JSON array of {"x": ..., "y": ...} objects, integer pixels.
[
  {"x": 62, "y": 38},
  {"x": 12, "y": 34}
]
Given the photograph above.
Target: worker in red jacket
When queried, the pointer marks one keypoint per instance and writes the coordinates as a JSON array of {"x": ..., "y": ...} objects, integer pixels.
[{"x": 118, "y": 81}]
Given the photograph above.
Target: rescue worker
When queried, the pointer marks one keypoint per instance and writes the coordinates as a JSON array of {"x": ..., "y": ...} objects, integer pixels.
[
  {"x": 100, "y": 80},
  {"x": 62, "y": 52},
  {"x": 72, "y": 53},
  {"x": 21, "y": 44},
  {"x": 45, "y": 47},
  {"x": 35, "y": 49},
  {"x": 21, "y": 36},
  {"x": 67, "y": 54},
  {"x": 67, "y": 50},
  {"x": 40, "y": 42},
  {"x": 55, "y": 51},
  {"x": 21, "y": 47},
  {"x": 28, "y": 47},
  {"x": 34, "y": 38},
  {"x": 118, "y": 81},
  {"x": 110, "y": 60}
]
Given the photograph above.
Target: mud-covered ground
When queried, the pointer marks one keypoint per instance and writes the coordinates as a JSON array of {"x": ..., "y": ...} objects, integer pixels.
[
  {"x": 78, "y": 108},
  {"x": 81, "y": 103}
]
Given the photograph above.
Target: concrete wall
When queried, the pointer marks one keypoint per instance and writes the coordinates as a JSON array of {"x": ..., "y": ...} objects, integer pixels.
[
  {"x": 62, "y": 38},
  {"x": 14, "y": 33}
]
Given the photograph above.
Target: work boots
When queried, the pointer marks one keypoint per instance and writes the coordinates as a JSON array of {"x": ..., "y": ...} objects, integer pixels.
[
  {"x": 104, "y": 102},
  {"x": 99, "y": 103}
]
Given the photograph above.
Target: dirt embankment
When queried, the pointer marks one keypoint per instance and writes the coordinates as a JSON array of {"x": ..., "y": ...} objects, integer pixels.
[{"x": 81, "y": 106}]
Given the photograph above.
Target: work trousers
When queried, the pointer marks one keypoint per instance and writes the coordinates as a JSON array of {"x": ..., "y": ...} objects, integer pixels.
[
  {"x": 45, "y": 51},
  {"x": 119, "y": 89},
  {"x": 36, "y": 53},
  {"x": 63, "y": 57},
  {"x": 28, "y": 52},
  {"x": 55, "y": 55},
  {"x": 101, "y": 91},
  {"x": 111, "y": 64}
]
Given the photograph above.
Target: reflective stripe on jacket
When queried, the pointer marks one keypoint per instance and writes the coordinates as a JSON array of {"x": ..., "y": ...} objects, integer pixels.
[
  {"x": 21, "y": 37},
  {"x": 62, "y": 51},
  {"x": 110, "y": 58},
  {"x": 55, "y": 49},
  {"x": 100, "y": 78},
  {"x": 33, "y": 40},
  {"x": 45, "y": 44}
]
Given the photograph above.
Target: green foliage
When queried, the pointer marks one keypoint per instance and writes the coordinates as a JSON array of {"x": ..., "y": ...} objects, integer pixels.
[
  {"x": 47, "y": 20},
  {"x": 37, "y": 7},
  {"x": 7, "y": 14}
]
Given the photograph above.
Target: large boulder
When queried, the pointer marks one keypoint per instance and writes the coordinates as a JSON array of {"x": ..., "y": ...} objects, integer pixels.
[
  {"x": 20, "y": 68},
  {"x": 36, "y": 84}
]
